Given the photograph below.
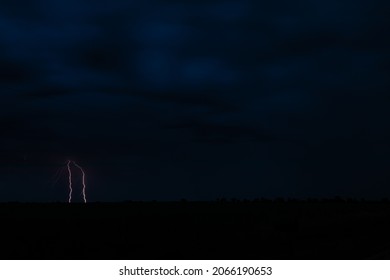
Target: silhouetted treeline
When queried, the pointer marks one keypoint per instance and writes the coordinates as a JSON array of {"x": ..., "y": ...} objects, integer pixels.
[
  {"x": 335, "y": 199},
  {"x": 223, "y": 229}
]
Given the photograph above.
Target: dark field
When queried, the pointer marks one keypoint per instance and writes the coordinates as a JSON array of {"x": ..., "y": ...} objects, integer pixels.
[{"x": 197, "y": 230}]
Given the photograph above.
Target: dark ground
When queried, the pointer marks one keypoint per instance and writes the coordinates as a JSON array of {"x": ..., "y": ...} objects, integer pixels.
[{"x": 329, "y": 229}]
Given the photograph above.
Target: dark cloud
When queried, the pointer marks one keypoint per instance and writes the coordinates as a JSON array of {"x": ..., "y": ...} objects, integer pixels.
[
  {"x": 277, "y": 95},
  {"x": 44, "y": 92},
  {"x": 15, "y": 72},
  {"x": 223, "y": 132},
  {"x": 101, "y": 58}
]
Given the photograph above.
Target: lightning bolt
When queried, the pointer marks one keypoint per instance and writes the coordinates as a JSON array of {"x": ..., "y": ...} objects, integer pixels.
[
  {"x": 70, "y": 181},
  {"x": 68, "y": 164},
  {"x": 83, "y": 180}
]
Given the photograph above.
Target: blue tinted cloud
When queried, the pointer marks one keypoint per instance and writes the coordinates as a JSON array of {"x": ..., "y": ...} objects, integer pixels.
[{"x": 301, "y": 83}]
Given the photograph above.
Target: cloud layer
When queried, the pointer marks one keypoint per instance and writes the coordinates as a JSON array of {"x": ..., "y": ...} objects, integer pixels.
[{"x": 305, "y": 86}]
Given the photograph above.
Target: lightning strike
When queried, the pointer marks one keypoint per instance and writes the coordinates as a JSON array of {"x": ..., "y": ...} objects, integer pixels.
[
  {"x": 83, "y": 180},
  {"x": 70, "y": 181},
  {"x": 68, "y": 164}
]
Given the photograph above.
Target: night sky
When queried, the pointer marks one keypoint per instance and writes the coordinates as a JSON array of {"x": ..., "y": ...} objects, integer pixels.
[{"x": 164, "y": 100}]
